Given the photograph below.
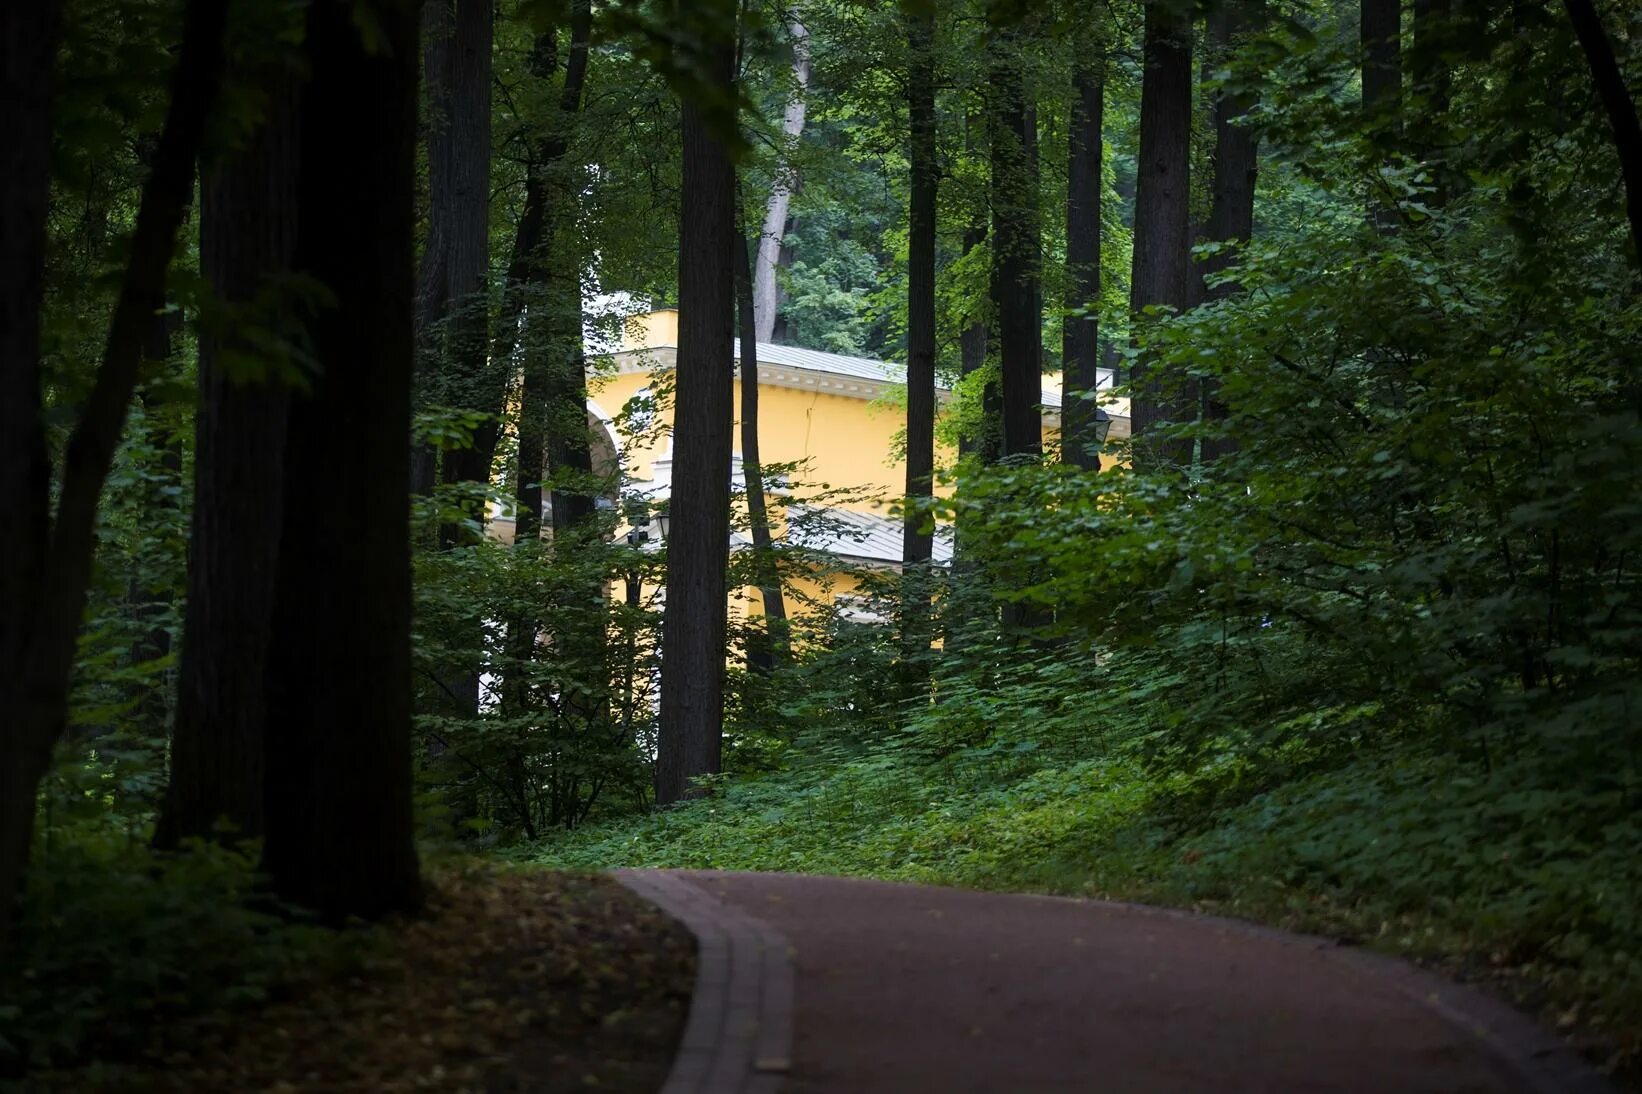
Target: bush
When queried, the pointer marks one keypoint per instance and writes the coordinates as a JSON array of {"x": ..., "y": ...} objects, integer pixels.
[{"x": 119, "y": 945}]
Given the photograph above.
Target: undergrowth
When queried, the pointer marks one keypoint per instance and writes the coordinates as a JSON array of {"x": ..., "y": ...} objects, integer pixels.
[{"x": 1510, "y": 873}]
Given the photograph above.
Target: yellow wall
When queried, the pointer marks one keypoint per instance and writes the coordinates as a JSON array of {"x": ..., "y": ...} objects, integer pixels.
[{"x": 847, "y": 442}]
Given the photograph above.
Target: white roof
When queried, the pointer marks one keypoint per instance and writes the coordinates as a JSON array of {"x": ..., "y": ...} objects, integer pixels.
[
  {"x": 866, "y": 536},
  {"x": 838, "y": 364}
]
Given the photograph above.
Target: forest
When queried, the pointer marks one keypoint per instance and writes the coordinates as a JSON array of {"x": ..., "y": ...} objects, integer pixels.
[{"x": 301, "y": 301}]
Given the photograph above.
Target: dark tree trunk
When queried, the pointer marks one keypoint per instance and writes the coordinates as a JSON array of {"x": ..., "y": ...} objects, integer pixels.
[
  {"x": 1236, "y": 170},
  {"x": 772, "y": 644},
  {"x": 553, "y": 396},
  {"x": 569, "y": 449},
  {"x": 337, "y": 809},
  {"x": 1162, "y": 239},
  {"x": 1380, "y": 30},
  {"x": 1016, "y": 261},
  {"x": 46, "y": 584},
  {"x": 1616, "y": 100},
  {"x": 692, "y": 665},
  {"x": 1080, "y": 335},
  {"x": 916, "y": 543},
  {"x": 524, "y": 284},
  {"x": 517, "y": 283},
  {"x": 452, "y": 293},
  {"x": 247, "y": 240},
  {"x": 917, "y": 536},
  {"x": 28, "y": 47}
]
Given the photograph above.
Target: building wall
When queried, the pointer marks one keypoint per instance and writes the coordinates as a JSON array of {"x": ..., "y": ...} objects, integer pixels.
[
  {"x": 846, "y": 442},
  {"x": 843, "y": 441}
]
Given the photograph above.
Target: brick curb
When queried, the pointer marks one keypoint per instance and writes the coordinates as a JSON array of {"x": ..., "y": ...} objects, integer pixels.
[{"x": 738, "y": 1036}]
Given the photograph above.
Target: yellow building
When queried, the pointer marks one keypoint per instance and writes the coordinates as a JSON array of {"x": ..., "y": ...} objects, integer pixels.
[{"x": 827, "y": 411}]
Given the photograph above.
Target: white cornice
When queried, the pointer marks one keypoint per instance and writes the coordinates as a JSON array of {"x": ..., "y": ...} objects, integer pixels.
[{"x": 647, "y": 360}]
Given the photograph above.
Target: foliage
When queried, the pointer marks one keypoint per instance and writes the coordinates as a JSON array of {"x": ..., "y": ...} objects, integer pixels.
[
  {"x": 1373, "y": 672},
  {"x": 563, "y": 724},
  {"x": 120, "y": 943}
]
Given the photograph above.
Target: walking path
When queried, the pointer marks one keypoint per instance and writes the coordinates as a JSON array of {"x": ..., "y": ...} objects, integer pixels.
[{"x": 813, "y": 985}]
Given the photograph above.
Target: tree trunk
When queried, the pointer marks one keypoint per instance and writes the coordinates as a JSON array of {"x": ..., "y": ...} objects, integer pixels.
[
  {"x": 553, "y": 398},
  {"x": 458, "y": 253},
  {"x": 247, "y": 241},
  {"x": 28, "y": 48},
  {"x": 917, "y": 544},
  {"x": 568, "y": 447},
  {"x": 40, "y": 626},
  {"x": 338, "y": 816},
  {"x": 766, "y": 293},
  {"x": 1380, "y": 30},
  {"x": 1236, "y": 170},
  {"x": 1616, "y": 100},
  {"x": 1162, "y": 240},
  {"x": 1080, "y": 334},
  {"x": 917, "y": 537},
  {"x": 772, "y": 646},
  {"x": 692, "y": 666},
  {"x": 1016, "y": 287}
]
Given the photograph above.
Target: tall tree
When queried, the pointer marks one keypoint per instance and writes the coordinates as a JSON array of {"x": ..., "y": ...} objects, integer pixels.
[
  {"x": 45, "y": 564},
  {"x": 1162, "y": 241},
  {"x": 339, "y": 828},
  {"x": 917, "y": 543},
  {"x": 1080, "y": 333},
  {"x": 453, "y": 304},
  {"x": 766, "y": 295},
  {"x": 690, "y": 741},
  {"x": 569, "y": 449},
  {"x": 247, "y": 241},
  {"x": 1016, "y": 247},
  {"x": 772, "y": 644},
  {"x": 1236, "y": 170},
  {"x": 1380, "y": 36},
  {"x": 28, "y": 46},
  {"x": 553, "y": 392},
  {"x": 1616, "y": 100}
]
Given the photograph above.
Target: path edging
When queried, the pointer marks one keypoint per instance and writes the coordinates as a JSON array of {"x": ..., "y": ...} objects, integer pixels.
[{"x": 738, "y": 1036}]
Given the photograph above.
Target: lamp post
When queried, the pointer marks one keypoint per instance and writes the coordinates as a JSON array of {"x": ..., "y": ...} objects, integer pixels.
[
  {"x": 1102, "y": 429},
  {"x": 1103, "y": 425},
  {"x": 635, "y": 539}
]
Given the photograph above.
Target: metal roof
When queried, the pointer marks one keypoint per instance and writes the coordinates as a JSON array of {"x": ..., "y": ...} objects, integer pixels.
[
  {"x": 851, "y": 534},
  {"x": 838, "y": 364}
]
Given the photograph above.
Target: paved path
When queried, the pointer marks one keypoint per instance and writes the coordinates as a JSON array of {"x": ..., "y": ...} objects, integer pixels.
[{"x": 899, "y": 989}]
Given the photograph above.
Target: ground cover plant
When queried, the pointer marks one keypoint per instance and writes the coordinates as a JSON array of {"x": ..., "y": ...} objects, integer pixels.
[{"x": 1258, "y": 383}]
